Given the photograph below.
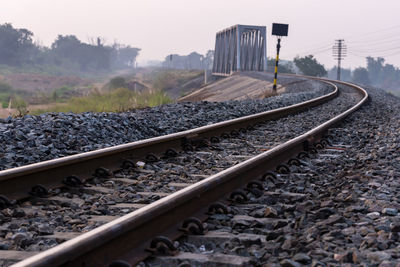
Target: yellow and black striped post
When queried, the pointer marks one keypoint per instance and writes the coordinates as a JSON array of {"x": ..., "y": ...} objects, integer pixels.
[{"x": 278, "y": 47}]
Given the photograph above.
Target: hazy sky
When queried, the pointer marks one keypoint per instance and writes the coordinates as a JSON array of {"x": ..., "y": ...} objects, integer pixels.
[{"x": 162, "y": 27}]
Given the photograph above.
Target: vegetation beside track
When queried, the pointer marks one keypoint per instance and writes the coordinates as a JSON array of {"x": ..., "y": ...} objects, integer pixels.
[{"x": 117, "y": 100}]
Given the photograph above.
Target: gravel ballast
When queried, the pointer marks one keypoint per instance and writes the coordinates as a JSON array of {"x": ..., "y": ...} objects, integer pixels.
[
  {"x": 340, "y": 207},
  {"x": 39, "y": 223},
  {"x": 38, "y": 138}
]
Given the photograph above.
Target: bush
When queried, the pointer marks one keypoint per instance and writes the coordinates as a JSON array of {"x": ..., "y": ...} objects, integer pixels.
[
  {"x": 165, "y": 80},
  {"x": 20, "y": 105},
  {"x": 117, "y": 82},
  {"x": 62, "y": 93},
  {"x": 5, "y": 87},
  {"x": 6, "y": 92}
]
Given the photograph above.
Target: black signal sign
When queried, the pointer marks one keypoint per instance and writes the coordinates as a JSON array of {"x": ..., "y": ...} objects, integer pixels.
[{"x": 280, "y": 29}]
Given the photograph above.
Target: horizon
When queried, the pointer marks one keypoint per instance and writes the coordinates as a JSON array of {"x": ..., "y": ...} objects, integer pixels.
[{"x": 180, "y": 27}]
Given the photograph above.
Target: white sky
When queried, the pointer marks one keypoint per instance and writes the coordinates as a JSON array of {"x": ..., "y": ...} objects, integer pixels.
[{"x": 162, "y": 27}]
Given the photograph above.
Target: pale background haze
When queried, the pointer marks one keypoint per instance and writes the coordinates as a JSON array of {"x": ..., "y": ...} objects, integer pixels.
[{"x": 159, "y": 27}]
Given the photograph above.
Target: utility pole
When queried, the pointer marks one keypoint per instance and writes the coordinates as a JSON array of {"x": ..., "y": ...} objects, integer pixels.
[{"x": 339, "y": 53}]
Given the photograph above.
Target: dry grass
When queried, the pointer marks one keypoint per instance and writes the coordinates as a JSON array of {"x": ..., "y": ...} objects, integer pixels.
[
  {"x": 270, "y": 94},
  {"x": 118, "y": 100}
]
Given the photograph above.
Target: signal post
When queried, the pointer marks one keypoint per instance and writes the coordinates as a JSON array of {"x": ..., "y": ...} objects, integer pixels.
[{"x": 278, "y": 30}]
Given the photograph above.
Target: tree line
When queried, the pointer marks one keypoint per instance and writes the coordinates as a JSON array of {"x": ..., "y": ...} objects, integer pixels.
[
  {"x": 376, "y": 73},
  {"x": 193, "y": 61},
  {"x": 17, "y": 48}
]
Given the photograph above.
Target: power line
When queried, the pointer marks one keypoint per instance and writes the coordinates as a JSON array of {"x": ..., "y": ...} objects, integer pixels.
[
  {"x": 393, "y": 54},
  {"x": 375, "y": 38},
  {"x": 381, "y": 44},
  {"x": 376, "y": 50},
  {"x": 352, "y": 38},
  {"x": 369, "y": 54},
  {"x": 313, "y": 51},
  {"x": 355, "y": 54}
]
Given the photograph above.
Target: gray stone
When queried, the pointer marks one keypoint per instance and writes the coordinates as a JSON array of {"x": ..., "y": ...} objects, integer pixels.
[
  {"x": 18, "y": 213},
  {"x": 270, "y": 212},
  {"x": 290, "y": 263},
  {"x": 377, "y": 256},
  {"x": 44, "y": 229},
  {"x": 302, "y": 258},
  {"x": 395, "y": 227},
  {"x": 373, "y": 215},
  {"x": 390, "y": 211},
  {"x": 21, "y": 239}
]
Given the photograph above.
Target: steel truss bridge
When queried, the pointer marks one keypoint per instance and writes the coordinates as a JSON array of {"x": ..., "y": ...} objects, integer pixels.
[{"x": 240, "y": 48}]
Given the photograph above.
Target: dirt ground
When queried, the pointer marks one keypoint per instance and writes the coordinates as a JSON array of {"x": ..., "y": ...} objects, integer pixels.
[
  {"x": 5, "y": 112},
  {"x": 239, "y": 86}
]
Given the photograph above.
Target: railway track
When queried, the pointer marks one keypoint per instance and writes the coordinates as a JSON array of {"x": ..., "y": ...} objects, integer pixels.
[{"x": 182, "y": 176}]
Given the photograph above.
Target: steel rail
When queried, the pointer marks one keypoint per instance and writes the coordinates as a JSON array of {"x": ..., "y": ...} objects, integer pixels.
[
  {"x": 121, "y": 238},
  {"x": 16, "y": 183}
]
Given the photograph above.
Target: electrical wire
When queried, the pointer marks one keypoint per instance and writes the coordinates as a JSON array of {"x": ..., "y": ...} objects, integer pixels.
[
  {"x": 383, "y": 55},
  {"x": 363, "y": 36},
  {"x": 313, "y": 51},
  {"x": 383, "y": 42},
  {"x": 393, "y": 54},
  {"x": 376, "y": 50},
  {"x": 376, "y": 42},
  {"x": 355, "y": 54}
]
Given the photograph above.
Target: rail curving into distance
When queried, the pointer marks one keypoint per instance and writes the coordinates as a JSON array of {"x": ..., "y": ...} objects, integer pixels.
[
  {"x": 16, "y": 183},
  {"x": 127, "y": 237}
]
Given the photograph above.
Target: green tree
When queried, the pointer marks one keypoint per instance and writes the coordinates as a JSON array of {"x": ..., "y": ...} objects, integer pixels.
[
  {"x": 375, "y": 68},
  {"x": 361, "y": 76},
  {"x": 308, "y": 65},
  {"x": 123, "y": 56},
  {"x": 345, "y": 74},
  {"x": 16, "y": 45},
  {"x": 193, "y": 61},
  {"x": 67, "y": 51},
  {"x": 389, "y": 76},
  {"x": 283, "y": 67},
  {"x": 208, "y": 59},
  {"x": 88, "y": 57}
]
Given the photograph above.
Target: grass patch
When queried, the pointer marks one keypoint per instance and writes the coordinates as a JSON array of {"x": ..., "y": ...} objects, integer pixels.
[
  {"x": 5, "y": 87},
  {"x": 118, "y": 100},
  {"x": 6, "y": 92},
  {"x": 20, "y": 105},
  {"x": 166, "y": 79},
  {"x": 62, "y": 94},
  {"x": 4, "y": 99}
]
